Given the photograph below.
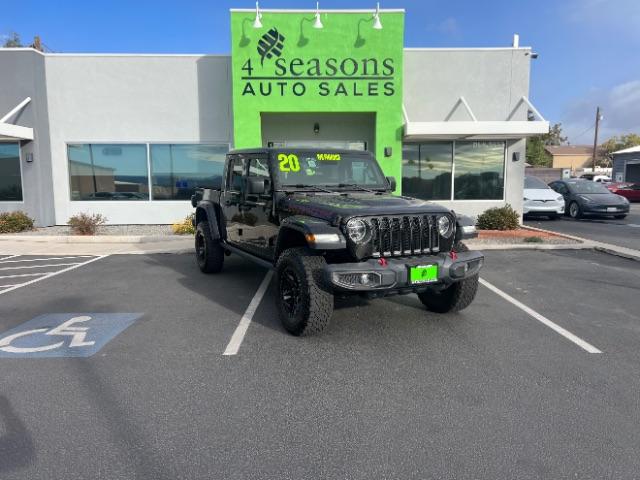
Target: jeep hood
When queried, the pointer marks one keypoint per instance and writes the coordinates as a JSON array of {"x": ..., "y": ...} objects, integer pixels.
[{"x": 329, "y": 207}]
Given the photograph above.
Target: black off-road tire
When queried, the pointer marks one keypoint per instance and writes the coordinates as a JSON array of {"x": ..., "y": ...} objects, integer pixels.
[
  {"x": 455, "y": 297},
  {"x": 312, "y": 310},
  {"x": 209, "y": 252}
]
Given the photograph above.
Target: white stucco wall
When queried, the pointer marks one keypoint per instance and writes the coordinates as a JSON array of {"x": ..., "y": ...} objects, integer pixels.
[{"x": 133, "y": 99}]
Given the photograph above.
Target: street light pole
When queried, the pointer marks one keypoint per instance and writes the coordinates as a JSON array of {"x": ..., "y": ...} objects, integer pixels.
[{"x": 595, "y": 138}]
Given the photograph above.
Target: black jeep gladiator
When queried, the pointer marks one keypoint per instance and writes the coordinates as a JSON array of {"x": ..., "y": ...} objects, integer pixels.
[{"x": 327, "y": 222}]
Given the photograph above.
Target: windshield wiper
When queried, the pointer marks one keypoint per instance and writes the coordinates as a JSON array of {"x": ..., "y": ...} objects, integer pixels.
[
  {"x": 302, "y": 185},
  {"x": 355, "y": 185}
]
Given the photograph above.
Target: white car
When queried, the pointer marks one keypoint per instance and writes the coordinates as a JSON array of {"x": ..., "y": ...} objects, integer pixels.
[
  {"x": 539, "y": 199},
  {"x": 596, "y": 178}
]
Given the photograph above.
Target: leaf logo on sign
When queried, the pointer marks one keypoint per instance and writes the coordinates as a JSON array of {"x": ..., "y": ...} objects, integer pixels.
[{"x": 270, "y": 44}]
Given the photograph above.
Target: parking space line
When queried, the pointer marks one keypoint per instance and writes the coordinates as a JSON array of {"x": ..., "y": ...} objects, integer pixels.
[
  {"x": 245, "y": 321},
  {"x": 542, "y": 319},
  {"x": 25, "y": 275},
  {"x": 40, "y": 266},
  {"x": 5, "y": 260},
  {"x": 48, "y": 274}
]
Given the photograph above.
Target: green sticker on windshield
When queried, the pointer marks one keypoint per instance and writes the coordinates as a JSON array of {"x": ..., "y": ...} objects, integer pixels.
[
  {"x": 328, "y": 156},
  {"x": 288, "y": 163}
]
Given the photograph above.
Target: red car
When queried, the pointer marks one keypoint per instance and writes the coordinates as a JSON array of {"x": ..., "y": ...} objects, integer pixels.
[{"x": 631, "y": 191}]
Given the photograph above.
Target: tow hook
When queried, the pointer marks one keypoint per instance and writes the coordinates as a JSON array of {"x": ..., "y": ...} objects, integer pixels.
[
  {"x": 382, "y": 262},
  {"x": 453, "y": 255}
]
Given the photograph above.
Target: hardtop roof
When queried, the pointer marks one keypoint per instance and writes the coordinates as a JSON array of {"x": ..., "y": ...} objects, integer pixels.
[{"x": 269, "y": 150}]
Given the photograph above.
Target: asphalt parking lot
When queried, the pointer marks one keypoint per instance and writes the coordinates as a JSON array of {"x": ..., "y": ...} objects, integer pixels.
[
  {"x": 389, "y": 391},
  {"x": 624, "y": 233}
]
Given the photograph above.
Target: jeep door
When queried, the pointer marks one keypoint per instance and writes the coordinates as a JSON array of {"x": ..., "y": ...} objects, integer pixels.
[
  {"x": 232, "y": 198},
  {"x": 260, "y": 231}
]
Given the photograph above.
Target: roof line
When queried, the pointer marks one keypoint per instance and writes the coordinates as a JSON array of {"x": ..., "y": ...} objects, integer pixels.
[
  {"x": 322, "y": 10},
  {"x": 446, "y": 49}
]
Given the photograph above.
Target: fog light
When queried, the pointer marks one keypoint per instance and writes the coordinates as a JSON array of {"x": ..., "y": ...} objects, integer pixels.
[
  {"x": 356, "y": 280},
  {"x": 459, "y": 270}
]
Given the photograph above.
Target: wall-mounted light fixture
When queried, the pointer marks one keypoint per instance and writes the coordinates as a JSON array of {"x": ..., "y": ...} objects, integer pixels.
[
  {"x": 316, "y": 128},
  {"x": 318, "y": 22},
  {"x": 515, "y": 157},
  {"x": 257, "y": 23},
  {"x": 377, "y": 24},
  {"x": 29, "y": 157}
]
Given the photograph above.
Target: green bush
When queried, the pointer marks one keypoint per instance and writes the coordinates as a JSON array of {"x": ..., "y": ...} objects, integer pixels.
[
  {"x": 185, "y": 227},
  {"x": 499, "y": 218},
  {"x": 532, "y": 240},
  {"x": 85, "y": 224},
  {"x": 14, "y": 222}
]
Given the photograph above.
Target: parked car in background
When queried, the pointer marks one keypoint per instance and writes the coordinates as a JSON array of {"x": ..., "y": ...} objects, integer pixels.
[
  {"x": 596, "y": 178},
  {"x": 540, "y": 199},
  {"x": 630, "y": 191},
  {"x": 584, "y": 197}
]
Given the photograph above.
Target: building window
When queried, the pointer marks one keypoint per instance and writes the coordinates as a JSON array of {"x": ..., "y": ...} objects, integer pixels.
[
  {"x": 479, "y": 171},
  {"x": 426, "y": 170},
  {"x": 108, "y": 172},
  {"x": 478, "y": 167},
  {"x": 10, "y": 177},
  {"x": 176, "y": 170}
]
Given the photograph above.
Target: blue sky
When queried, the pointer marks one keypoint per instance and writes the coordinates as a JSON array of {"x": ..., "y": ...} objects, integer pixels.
[{"x": 589, "y": 49}]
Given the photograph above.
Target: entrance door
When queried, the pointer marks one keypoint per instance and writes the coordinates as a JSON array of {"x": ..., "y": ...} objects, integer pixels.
[{"x": 323, "y": 130}]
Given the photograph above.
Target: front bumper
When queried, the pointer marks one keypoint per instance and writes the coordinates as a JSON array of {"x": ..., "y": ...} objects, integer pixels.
[
  {"x": 534, "y": 206},
  {"x": 388, "y": 276},
  {"x": 604, "y": 209}
]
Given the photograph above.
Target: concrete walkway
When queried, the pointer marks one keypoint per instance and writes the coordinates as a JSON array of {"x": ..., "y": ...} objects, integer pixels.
[
  {"x": 97, "y": 245},
  {"x": 113, "y": 245}
]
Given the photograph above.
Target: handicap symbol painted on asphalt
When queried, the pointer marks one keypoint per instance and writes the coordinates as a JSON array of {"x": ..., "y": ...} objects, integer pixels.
[{"x": 64, "y": 334}]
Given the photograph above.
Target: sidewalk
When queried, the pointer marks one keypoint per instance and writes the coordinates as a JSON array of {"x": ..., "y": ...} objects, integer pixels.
[
  {"x": 93, "y": 245},
  {"x": 584, "y": 244},
  {"x": 113, "y": 245}
]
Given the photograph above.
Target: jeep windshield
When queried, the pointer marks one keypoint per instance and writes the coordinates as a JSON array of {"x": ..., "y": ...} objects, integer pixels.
[{"x": 301, "y": 169}]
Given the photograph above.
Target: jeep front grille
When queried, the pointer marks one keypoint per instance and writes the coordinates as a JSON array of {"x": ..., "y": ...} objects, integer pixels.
[{"x": 403, "y": 235}]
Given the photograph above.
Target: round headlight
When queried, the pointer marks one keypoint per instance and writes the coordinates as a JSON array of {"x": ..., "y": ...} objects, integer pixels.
[
  {"x": 356, "y": 229},
  {"x": 444, "y": 226}
]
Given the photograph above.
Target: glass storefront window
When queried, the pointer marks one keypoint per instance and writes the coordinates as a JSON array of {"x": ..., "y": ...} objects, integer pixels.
[
  {"x": 176, "y": 170},
  {"x": 10, "y": 176},
  {"x": 426, "y": 170},
  {"x": 108, "y": 172},
  {"x": 479, "y": 170}
]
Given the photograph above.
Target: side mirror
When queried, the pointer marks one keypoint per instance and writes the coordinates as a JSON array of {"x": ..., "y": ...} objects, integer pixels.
[
  {"x": 392, "y": 183},
  {"x": 255, "y": 186}
]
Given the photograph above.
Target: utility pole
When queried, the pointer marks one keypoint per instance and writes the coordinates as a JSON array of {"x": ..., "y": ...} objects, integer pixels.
[{"x": 595, "y": 138}]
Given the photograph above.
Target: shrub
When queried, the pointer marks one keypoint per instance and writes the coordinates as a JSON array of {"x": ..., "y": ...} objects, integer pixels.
[
  {"x": 185, "y": 227},
  {"x": 86, "y": 224},
  {"x": 499, "y": 218},
  {"x": 14, "y": 222},
  {"x": 532, "y": 240}
]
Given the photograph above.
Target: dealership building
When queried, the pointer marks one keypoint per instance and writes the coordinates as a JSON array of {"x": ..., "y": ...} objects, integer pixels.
[{"x": 131, "y": 136}]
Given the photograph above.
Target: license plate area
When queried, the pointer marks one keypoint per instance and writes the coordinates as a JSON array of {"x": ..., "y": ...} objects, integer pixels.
[
  {"x": 611, "y": 209},
  {"x": 420, "y": 274}
]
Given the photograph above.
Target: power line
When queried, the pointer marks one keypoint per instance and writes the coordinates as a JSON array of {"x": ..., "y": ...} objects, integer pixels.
[{"x": 587, "y": 130}]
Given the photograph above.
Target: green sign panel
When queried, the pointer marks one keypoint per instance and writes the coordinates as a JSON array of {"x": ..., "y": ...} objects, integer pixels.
[{"x": 347, "y": 66}]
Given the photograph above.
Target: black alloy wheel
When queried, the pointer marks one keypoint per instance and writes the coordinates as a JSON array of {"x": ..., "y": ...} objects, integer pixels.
[{"x": 290, "y": 291}]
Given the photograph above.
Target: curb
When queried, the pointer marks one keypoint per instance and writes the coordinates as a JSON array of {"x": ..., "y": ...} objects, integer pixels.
[
  {"x": 525, "y": 246},
  {"x": 617, "y": 253},
  {"x": 623, "y": 252},
  {"x": 93, "y": 238},
  {"x": 562, "y": 235}
]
